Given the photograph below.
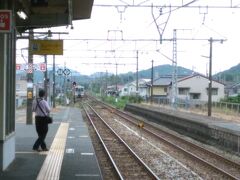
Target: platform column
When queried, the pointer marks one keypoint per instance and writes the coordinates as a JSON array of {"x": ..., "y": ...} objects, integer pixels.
[{"x": 7, "y": 89}]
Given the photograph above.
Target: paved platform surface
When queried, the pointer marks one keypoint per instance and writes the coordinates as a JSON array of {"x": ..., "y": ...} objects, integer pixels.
[
  {"x": 219, "y": 123},
  {"x": 79, "y": 160}
]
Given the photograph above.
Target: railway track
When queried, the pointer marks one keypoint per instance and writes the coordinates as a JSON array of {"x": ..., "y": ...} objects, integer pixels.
[
  {"x": 225, "y": 168},
  {"x": 125, "y": 162}
]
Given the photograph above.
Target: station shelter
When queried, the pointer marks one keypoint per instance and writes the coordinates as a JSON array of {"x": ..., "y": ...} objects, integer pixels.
[{"x": 16, "y": 17}]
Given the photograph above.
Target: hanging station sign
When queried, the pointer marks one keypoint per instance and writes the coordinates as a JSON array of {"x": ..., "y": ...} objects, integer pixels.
[
  {"x": 5, "y": 21},
  {"x": 46, "y": 47}
]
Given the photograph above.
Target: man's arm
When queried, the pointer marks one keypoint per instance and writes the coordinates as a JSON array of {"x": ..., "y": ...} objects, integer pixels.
[{"x": 47, "y": 107}]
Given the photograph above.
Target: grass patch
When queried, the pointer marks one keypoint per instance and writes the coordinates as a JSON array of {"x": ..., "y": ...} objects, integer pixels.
[{"x": 120, "y": 102}]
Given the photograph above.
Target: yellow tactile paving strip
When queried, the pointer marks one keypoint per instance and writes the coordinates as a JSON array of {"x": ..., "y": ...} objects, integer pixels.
[{"x": 52, "y": 165}]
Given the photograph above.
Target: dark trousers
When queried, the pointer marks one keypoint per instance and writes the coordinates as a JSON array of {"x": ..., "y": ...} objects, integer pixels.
[{"x": 42, "y": 129}]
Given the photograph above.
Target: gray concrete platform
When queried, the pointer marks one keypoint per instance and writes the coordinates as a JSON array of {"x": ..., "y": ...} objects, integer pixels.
[
  {"x": 79, "y": 161},
  {"x": 210, "y": 130},
  {"x": 228, "y": 126}
]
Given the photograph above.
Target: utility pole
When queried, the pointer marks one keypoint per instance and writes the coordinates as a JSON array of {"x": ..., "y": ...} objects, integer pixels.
[
  {"x": 106, "y": 79},
  {"x": 64, "y": 81},
  {"x": 210, "y": 80},
  {"x": 116, "y": 77},
  {"x": 174, "y": 72},
  {"x": 30, "y": 81},
  {"x": 211, "y": 40},
  {"x": 152, "y": 84},
  {"x": 54, "y": 73},
  {"x": 46, "y": 78},
  {"x": 137, "y": 76}
]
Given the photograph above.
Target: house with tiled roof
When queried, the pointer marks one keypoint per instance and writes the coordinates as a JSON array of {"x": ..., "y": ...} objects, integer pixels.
[
  {"x": 160, "y": 86},
  {"x": 195, "y": 87}
]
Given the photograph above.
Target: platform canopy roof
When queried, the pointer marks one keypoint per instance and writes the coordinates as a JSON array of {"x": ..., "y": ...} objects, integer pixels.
[{"x": 50, "y": 13}]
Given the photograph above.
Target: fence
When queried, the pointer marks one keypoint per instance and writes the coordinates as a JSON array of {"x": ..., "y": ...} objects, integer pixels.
[{"x": 199, "y": 105}]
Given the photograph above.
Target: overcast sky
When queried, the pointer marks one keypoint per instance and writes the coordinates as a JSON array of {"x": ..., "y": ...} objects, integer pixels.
[{"x": 137, "y": 23}]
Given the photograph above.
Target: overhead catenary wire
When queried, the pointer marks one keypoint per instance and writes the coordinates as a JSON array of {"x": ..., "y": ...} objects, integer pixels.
[{"x": 183, "y": 5}]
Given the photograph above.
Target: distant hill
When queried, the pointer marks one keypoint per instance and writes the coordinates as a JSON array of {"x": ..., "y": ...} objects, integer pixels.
[
  {"x": 158, "y": 71},
  {"x": 73, "y": 76},
  {"x": 231, "y": 75},
  {"x": 162, "y": 70},
  {"x": 100, "y": 74}
]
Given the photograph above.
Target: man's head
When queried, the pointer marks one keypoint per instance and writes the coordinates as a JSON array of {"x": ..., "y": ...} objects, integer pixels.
[{"x": 41, "y": 93}]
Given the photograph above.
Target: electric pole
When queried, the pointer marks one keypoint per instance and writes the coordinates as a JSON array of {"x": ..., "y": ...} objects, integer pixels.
[
  {"x": 30, "y": 80},
  {"x": 53, "y": 95},
  {"x": 152, "y": 84},
  {"x": 174, "y": 72},
  {"x": 46, "y": 78},
  {"x": 106, "y": 79},
  {"x": 211, "y": 40},
  {"x": 210, "y": 80},
  {"x": 137, "y": 76},
  {"x": 116, "y": 77}
]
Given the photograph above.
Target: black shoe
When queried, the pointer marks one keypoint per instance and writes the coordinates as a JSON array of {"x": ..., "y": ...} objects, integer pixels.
[
  {"x": 37, "y": 150},
  {"x": 45, "y": 149}
]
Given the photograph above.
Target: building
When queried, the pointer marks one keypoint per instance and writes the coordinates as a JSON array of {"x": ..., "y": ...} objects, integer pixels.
[
  {"x": 143, "y": 87},
  {"x": 160, "y": 86},
  {"x": 113, "y": 90},
  {"x": 195, "y": 87},
  {"x": 131, "y": 89}
]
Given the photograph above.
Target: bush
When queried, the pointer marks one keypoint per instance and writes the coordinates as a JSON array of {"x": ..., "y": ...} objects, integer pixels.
[
  {"x": 120, "y": 102},
  {"x": 135, "y": 99},
  {"x": 232, "y": 99},
  {"x": 125, "y": 97}
]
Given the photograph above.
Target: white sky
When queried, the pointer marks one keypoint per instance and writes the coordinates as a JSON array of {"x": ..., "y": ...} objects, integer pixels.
[{"x": 137, "y": 23}]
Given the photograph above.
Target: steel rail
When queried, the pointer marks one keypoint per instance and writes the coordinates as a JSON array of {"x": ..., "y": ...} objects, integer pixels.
[
  {"x": 194, "y": 145},
  {"x": 169, "y": 134},
  {"x": 180, "y": 148},
  {"x": 182, "y": 140},
  {"x": 148, "y": 169},
  {"x": 188, "y": 152},
  {"x": 104, "y": 146}
]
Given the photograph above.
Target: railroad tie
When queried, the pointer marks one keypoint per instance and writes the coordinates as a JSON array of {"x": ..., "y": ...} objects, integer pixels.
[{"x": 52, "y": 165}]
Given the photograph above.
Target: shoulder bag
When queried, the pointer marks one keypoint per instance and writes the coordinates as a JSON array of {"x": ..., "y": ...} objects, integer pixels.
[{"x": 48, "y": 118}]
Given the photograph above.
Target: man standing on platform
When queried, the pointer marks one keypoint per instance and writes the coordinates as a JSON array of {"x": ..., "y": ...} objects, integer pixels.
[{"x": 41, "y": 109}]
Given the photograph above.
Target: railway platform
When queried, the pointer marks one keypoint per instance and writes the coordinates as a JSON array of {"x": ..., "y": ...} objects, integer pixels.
[
  {"x": 210, "y": 130},
  {"x": 70, "y": 156}
]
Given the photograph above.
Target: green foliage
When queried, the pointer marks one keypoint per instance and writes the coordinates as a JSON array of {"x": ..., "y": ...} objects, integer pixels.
[
  {"x": 232, "y": 99},
  {"x": 96, "y": 87},
  {"x": 229, "y": 77},
  {"x": 135, "y": 99},
  {"x": 120, "y": 102},
  {"x": 60, "y": 101},
  {"x": 115, "y": 101}
]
